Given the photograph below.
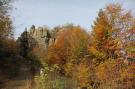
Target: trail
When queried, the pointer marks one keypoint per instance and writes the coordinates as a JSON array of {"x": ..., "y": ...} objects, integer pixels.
[{"x": 22, "y": 81}]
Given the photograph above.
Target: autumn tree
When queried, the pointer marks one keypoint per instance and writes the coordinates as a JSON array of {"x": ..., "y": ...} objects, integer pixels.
[
  {"x": 5, "y": 29},
  {"x": 83, "y": 74},
  {"x": 103, "y": 44},
  {"x": 123, "y": 22},
  {"x": 115, "y": 74},
  {"x": 5, "y": 20},
  {"x": 109, "y": 32},
  {"x": 9, "y": 62},
  {"x": 112, "y": 37},
  {"x": 70, "y": 46}
]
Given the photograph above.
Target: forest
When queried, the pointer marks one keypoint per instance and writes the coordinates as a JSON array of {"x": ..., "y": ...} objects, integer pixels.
[{"x": 68, "y": 56}]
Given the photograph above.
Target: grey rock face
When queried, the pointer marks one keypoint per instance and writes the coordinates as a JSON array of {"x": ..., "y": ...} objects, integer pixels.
[{"x": 43, "y": 35}]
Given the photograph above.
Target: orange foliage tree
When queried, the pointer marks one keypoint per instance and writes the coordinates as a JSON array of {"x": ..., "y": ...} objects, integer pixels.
[
  {"x": 104, "y": 44},
  {"x": 70, "y": 46}
]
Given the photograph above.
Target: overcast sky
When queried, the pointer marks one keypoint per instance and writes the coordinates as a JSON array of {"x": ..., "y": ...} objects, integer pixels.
[{"x": 57, "y": 12}]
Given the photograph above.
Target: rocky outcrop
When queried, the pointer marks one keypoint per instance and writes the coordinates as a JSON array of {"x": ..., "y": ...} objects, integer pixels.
[{"x": 42, "y": 36}]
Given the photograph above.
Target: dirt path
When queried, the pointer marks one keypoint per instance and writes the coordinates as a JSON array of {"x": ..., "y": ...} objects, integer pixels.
[
  {"x": 22, "y": 81},
  {"x": 17, "y": 84}
]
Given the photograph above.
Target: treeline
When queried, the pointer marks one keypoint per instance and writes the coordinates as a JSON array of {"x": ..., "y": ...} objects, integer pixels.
[
  {"x": 8, "y": 47},
  {"x": 11, "y": 59},
  {"x": 101, "y": 59}
]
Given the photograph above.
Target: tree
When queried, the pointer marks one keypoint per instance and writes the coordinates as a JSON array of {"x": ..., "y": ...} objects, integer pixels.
[
  {"x": 71, "y": 41},
  {"x": 112, "y": 37},
  {"x": 104, "y": 45},
  {"x": 109, "y": 33},
  {"x": 69, "y": 48},
  {"x": 123, "y": 21},
  {"x": 115, "y": 74},
  {"x": 8, "y": 47},
  {"x": 5, "y": 20},
  {"x": 26, "y": 43},
  {"x": 83, "y": 74}
]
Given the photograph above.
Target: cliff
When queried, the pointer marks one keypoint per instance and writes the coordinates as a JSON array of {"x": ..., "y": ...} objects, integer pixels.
[{"x": 41, "y": 36}]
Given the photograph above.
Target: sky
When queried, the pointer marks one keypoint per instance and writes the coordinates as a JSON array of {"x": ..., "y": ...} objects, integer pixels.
[{"x": 52, "y": 13}]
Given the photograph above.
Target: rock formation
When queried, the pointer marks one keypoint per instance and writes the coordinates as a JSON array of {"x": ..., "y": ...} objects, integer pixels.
[{"x": 42, "y": 36}]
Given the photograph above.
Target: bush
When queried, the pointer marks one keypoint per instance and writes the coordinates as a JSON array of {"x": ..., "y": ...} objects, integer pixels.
[{"x": 50, "y": 78}]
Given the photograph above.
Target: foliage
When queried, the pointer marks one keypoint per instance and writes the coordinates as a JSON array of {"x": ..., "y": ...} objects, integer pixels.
[
  {"x": 113, "y": 74},
  {"x": 69, "y": 48},
  {"x": 102, "y": 59},
  {"x": 104, "y": 44},
  {"x": 5, "y": 20},
  {"x": 44, "y": 76},
  {"x": 83, "y": 74},
  {"x": 69, "y": 40},
  {"x": 100, "y": 63},
  {"x": 9, "y": 61}
]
